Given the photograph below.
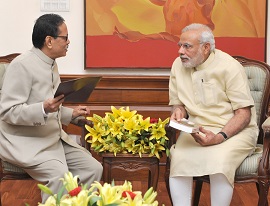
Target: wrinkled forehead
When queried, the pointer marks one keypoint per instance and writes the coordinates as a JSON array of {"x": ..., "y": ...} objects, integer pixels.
[{"x": 191, "y": 36}]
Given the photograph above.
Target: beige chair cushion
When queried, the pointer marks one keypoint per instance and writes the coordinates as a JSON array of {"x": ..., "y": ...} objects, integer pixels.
[
  {"x": 8, "y": 167},
  {"x": 3, "y": 67},
  {"x": 256, "y": 78},
  {"x": 251, "y": 163}
]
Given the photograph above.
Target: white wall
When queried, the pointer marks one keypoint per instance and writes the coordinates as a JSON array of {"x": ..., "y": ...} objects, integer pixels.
[{"x": 17, "y": 18}]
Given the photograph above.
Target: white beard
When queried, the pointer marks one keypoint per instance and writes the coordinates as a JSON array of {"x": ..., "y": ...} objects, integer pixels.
[{"x": 195, "y": 61}]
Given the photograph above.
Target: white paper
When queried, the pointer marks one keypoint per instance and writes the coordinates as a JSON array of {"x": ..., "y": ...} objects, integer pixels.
[{"x": 184, "y": 125}]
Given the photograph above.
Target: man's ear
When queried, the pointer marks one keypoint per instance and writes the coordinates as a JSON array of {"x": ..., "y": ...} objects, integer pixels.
[
  {"x": 207, "y": 48},
  {"x": 48, "y": 41}
]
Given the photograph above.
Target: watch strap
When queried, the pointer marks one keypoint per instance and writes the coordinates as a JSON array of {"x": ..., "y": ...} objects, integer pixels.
[{"x": 224, "y": 135}]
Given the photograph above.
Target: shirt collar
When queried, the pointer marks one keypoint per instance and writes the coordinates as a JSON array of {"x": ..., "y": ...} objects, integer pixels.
[
  {"x": 207, "y": 62},
  {"x": 43, "y": 56}
]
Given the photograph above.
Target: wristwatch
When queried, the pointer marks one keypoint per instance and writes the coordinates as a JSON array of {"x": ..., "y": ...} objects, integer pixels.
[{"x": 224, "y": 135}]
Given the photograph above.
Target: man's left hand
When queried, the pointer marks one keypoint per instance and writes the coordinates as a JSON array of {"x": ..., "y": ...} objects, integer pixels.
[{"x": 207, "y": 137}]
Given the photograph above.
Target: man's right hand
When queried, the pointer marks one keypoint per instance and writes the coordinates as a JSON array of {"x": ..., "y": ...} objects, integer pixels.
[
  {"x": 178, "y": 113},
  {"x": 52, "y": 105}
]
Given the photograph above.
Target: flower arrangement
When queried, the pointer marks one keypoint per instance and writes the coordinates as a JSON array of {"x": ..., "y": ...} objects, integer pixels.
[
  {"x": 97, "y": 195},
  {"x": 125, "y": 131}
]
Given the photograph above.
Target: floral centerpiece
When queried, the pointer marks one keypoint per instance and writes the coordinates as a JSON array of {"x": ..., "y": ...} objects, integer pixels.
[
  {"x": 97, "y": 195},
  {"x": 125, "y": 131}
]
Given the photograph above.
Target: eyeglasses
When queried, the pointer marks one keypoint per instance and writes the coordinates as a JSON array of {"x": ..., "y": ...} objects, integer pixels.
[
  {"x": 187, "y": 46},
  {"x": 63, "y": 37}
]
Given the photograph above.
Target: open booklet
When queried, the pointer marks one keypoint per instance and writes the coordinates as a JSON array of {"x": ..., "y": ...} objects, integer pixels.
[
  {"x": 77, "y": 90},
  {"x": 184, "y": 125}
]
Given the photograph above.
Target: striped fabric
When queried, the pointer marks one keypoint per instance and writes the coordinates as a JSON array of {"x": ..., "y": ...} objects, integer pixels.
[
  {"x": 251, "y": 163},
  {"x": 8, "y": 167},
  {"x": 256, "y": 78},
  {"x": 2, "y": 72}
]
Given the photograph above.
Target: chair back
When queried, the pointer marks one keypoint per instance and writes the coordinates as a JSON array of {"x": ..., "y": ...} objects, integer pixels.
[
  {"x": 4, "y": 62},
  {"x": 258, "y": 74},
  {"x": 5, "y": 167}
]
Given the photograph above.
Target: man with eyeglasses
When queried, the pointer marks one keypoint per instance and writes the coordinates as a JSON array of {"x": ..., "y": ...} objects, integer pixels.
[
  {"x": 31, "y": 134},
  {"x": 210, "y": 89}
]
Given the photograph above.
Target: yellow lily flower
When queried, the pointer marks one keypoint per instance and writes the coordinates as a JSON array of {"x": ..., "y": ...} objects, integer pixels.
[
  {"x": 69, "y": 181},
  {"x": 51, "y": 201},
  {"x": 126, "y": 113},
  {"x": 125, "y": 131},
  {"x": 100, "y": 195},
  {"x": 145, "y": 124},
  {"x": 82, "y": 199},
  {"x": 116, "y": 112},
  {"x": 131, "y": 125}
]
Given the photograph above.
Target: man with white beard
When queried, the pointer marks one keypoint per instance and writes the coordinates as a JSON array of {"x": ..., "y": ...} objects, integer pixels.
[{"x": 209, "y": 88}]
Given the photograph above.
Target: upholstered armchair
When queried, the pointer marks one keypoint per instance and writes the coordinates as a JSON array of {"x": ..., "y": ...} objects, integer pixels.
[
  {"x": 5, "y": 167},
  {"x": 254, "y": 168}
]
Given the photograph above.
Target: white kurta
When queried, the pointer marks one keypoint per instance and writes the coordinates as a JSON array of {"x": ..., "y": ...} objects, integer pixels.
[{"x": 210, "y": 93}]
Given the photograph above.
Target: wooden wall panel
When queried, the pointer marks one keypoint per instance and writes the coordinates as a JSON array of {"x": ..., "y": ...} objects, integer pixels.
[
  {"x": 148, "y": 95},
  {"x": 129, "y": 97}
]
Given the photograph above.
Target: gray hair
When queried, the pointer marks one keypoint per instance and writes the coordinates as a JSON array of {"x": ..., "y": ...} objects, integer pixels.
[{"x": 207, "y": 35}]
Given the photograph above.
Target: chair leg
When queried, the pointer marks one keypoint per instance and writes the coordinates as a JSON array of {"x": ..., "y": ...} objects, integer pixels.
[
  {"x": 167, "y": 176},
  {"x": 263, "y": 187},
  {"x": 0, "y": 195},
  {"x": 197, "y": 192},
  {"x": 153, "y": 176},
  {"x": 168, "y": 189}
]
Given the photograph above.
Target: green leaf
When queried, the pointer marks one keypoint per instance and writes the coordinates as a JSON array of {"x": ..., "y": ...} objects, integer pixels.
[
  {"x": 112, "y": 117},
  {"x": 45, "y": 189},
  {"x": 162, "y": 141},
  {"x": 93, "y": 200},
  {"x": 113, "y": 183},
  {"x": 98, "y": 148},
  {"x": 59, "y": 195},
  {"x": 168, "y": 152},
  {"x": 97, "y": 117}
]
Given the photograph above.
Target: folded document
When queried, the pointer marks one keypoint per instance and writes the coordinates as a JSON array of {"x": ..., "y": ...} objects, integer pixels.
[
  {"x": 77, "y": 90},
  {"x": 184, "y": 125}
]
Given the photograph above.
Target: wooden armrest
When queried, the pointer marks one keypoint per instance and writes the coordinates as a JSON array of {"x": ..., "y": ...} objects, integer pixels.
[
  {"x": 171, "y": 134},
  {"x": 266, "y": 124},
  {"x": 264, "y": 163},
  {"x": 83, "y": 122}
]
